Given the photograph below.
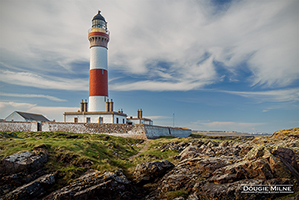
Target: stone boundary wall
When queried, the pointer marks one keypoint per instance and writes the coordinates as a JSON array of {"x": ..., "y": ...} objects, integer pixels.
[
  {"x": 157, "y": 131},
  {"x": 139, "y": 131},
  {"x": 18, "y": 126}
]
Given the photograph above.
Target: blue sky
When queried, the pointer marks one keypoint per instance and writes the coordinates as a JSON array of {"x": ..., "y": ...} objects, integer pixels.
[{"x": 222, "y": 65}]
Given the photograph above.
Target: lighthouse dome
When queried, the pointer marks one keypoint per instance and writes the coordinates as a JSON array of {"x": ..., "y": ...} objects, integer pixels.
[{"x": 99, "y": 17}]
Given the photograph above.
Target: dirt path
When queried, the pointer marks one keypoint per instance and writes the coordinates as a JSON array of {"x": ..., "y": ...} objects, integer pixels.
[{"x": 144, "y": 148}]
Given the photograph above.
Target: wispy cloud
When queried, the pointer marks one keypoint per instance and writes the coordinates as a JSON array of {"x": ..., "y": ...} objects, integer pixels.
[
  {"x": 32, "y": 96},
  {"x": 224, "y": 125},
  {"x": 50, "y": 112},
  {"x": 143, "y": 34},
  {"x": 283, "y": 95},
  {"x": 42, "y": 81},
  {"x": 8, "y": 107},
  {"x": 193, "y": 77},
  {"x": 157, "y": 117}
]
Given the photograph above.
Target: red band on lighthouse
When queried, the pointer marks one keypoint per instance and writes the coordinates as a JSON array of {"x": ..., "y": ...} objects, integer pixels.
[
  {"x": 98, "y": 33},
  {"x": 98, "y": 82}
]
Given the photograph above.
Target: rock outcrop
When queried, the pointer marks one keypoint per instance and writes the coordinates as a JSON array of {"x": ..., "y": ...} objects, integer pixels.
[
  {"x": 32, "y": 190},
  {"x": 94, "y": 185},
  {"x": 150, "y": 171},
  {"x": 23, "y": 161},
  {"x": 217, "y": 170},
  {"x": 22, "y": 176},
  {"x": 204, "y": 169}
]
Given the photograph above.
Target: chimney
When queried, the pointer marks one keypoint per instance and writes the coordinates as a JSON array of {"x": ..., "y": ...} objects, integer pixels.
[
  {"x": 121, "y": 111},
  {"x": 85, "y": 106},
  {"x": 107, "y": 106},
  {"x": 140, "y": 113},
  {"x": 111, "y": 105},
  {"x": 82, "y": 106}
]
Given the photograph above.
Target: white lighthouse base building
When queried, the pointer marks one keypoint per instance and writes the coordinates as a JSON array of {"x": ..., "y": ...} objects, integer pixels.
[
  {"x": 108, "y": 116},
  {"x": 95, "y": 117}
]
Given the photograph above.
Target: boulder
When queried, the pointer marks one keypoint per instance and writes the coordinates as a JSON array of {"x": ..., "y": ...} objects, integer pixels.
[
  {"x": 24, "y": 161},
  {"x": 287, "y": 155},
  {"x": 190, "y": 151},
  {"x": 224, "y": 144},
  {"x": 188, "y": 171},
  {"x": 256, "y": 153},
  {"x": 94, "y": 185},
  {"x": 150, "y": 171},
  {"x": 32, "y": 190}
]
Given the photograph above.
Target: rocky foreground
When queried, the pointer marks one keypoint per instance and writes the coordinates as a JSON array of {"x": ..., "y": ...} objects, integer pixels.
[{"x": 205, "y": 169}]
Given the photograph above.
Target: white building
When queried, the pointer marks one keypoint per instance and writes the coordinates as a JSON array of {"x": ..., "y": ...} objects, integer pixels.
[
  {"x": 27, "y": 117},
  {"x": 139, "y": 119},
  {"x": 108, "y": 116}
]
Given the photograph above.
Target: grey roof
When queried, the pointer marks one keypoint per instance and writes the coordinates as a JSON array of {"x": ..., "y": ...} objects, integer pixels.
[
  {"x": 31, "y": 116},
  {"x": 99, "y": 17}
]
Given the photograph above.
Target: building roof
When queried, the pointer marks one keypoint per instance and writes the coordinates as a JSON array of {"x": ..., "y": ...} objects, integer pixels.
[
  {"x": 136, "y": 118},
  {"x": 32, "y": 116},
  {"x": 99, "y": 17},
  {"x": 95, "y": 113}
]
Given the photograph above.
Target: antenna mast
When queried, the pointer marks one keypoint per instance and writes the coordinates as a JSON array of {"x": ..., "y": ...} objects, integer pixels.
[{"x": 173, "y": 115}]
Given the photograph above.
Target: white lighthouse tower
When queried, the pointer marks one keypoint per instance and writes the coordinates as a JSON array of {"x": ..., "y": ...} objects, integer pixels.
[
  {"x": 100, "y": 109},
  {"x": 98, "y": 36}
]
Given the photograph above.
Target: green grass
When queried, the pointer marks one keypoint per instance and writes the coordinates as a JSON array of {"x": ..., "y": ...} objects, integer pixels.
[
  {"x": 174, "y": 194},
  {"x": 70, "y": 154}
]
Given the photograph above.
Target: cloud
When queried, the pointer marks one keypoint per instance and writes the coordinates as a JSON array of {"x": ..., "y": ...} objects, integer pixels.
[
  {"x": 224, "y": 125},
  {"x": 157, "y": 117},
  {"x": 44, "y": 82},
  {"x": 283, "y": 95},
  {"x": 32, "y": 96},
  {"x": 143, "y": 35},
  {"x": 51, "y": 113},
  {"x": 194, "y": 77},
  {"x": 263, "y": 35},
  {"x": 7, "y": 108}
]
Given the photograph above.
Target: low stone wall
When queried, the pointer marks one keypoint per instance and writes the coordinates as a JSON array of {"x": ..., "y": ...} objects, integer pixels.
[
  {"x": 18, "y": 126},
  {"x": 180, "y": 132},
  {"x": 85, "y": 127},
  {"x": 122, "y": 130},
  {"x": 157, "y": 131},
  {"x": 134, "y": 131}
]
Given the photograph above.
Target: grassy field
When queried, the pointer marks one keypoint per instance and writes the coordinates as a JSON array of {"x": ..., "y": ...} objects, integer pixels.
[{"x": 72, "y": 154}]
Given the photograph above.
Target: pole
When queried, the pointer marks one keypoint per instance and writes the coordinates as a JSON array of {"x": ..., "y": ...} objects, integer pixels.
[{"x": 173, "y": 115}]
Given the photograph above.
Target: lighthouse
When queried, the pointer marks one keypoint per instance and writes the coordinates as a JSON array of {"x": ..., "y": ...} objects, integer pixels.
[
  {"x": 98, "y": 36},
  {"x": 99, "y": 109}
]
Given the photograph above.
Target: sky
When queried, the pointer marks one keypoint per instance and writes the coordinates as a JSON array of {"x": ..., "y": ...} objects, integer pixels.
[{"x": 205, "y": 65}]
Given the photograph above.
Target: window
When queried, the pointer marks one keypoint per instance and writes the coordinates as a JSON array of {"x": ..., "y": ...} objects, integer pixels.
[
  {"x": 123, "y": 121},
  {"x": 117, "y": 120},
  {"x": 98, "y": 24},
  {"x": 100, "y": 120},
  {"x": 76, "y": 120},
  {"x": 87, "y": 119}
]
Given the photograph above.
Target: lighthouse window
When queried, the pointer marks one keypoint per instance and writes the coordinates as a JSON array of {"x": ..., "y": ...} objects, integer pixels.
[{"x": 98, "y": 24}]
